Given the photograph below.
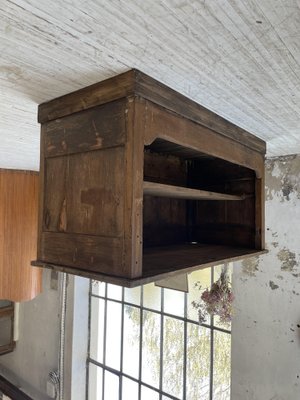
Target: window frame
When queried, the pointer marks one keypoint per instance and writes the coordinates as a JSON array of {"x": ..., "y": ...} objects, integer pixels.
[{"x": 120, "y": 373}]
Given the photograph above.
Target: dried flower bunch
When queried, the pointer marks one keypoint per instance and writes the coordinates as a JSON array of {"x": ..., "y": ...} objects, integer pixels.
[{"x": 216, "y": 301}]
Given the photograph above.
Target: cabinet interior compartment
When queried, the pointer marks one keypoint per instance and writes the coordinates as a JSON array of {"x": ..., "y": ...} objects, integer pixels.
[{"x": 195, "y": 229}]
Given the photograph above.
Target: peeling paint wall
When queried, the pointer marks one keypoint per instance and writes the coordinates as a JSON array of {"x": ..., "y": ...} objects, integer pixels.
[{"x": 266, "y": 327}]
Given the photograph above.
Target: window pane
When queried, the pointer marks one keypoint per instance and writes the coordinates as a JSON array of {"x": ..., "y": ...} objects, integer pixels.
[
  {"x": 111, "y": 386},
  {"x": 198, "y": 362},
  {"x": 151, "y": 298},
  {"x": 174, "y": 302},
  {"x": 148, "y": 394},
  {"x": 130, "y": 390},
  {"x": 5, "y": 330},
  {"x": 204, "y": 277},
  {"x": 151, "y": 348},
  {"x": 131, "y": 341},
  {"x": 97, "y": 329},
  {"x": 133, "y": 295},
  {"x": 222, "y": 365},
  {"x": 98, "y": 288},
  {"x": 114, "y": 292},
  {"x": 113, "y": 334},
  {"x": 173, "y": 350},
  {"x": 95, "y": 382}
]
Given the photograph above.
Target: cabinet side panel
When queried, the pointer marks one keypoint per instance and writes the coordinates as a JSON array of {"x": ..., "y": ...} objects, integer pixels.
[
  {"x": 98, "y": 128},
  {"x": 90, "y": 253},
  {"x": 84, "y": 193}
]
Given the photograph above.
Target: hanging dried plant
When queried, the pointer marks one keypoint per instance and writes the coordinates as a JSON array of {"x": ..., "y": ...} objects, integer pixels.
[{"x": 217, "y": 301}]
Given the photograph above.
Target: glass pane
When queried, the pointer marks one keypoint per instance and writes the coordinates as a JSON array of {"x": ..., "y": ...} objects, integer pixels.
[
  {"x": 198, "y": 362},
  {"x": 111, "y": 386},
  {"x": 114, "y": 292},
  {"x": 98, "y": 288},
  {"x": 217, "y": 273},
  {"x": 151, "y": 348},
  {"x": 97, "y": 329},
  {"x": 222, "y": 366},
  {"x": 174, "y": 302},
  {"x": 131, "y": 341},
  {"x": 148, "y": 394},
  {"x": 202, "y": 276},
  {"x": 133, "y": 295},
  {"x": 130, "y": 390},
  {"x": 5, "y": 330},
  {"x": 173, "y": 350},
  {"x": 95, "y": 382},
  {"x": 151, "y": 298},
  {"x": 113, "y": 334}
]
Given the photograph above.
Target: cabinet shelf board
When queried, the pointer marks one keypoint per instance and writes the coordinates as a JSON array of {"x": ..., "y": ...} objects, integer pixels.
[{"x": 178, "y": 192}]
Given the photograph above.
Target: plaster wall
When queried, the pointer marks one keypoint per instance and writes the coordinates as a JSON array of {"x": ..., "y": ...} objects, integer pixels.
[
  {"x": 266, "y": 327},
  {"x": 37, "y": 349}
]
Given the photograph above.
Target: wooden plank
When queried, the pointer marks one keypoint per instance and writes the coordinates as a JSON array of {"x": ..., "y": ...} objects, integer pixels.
[
  {"x": 12, "y": 391},
  {"x": 175, "y": 129},
  {"x": 94, "y": 95},
  {"x": 18, "y": 236},
  {"x": 98, "y": 128},
  {"x": 260, "y": 213},
  {"x": 140, "y": 84},
  {"x": 93, "y": 253},
  {"x": 164, "y": 96},
  {"x": 133, "y": 186},
  {"x": 158, "y": 264},
  {"x": 178, "y": 192},
  {"x": 84, "y": 193}
]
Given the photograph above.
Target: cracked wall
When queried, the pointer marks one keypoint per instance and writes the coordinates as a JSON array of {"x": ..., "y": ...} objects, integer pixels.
[{"x": 266, "y": 326}]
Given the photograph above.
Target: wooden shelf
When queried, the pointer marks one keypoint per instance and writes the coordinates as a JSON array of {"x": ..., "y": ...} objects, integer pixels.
[
  {"x": 179, "y": 192},
  {"x": 166, "y": 261}
]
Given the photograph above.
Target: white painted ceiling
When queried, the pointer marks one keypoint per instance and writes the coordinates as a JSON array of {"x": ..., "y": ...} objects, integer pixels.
[{"x": 239, "y": 58}]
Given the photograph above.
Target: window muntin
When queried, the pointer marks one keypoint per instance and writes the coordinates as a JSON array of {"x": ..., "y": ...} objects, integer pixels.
[{"x": 146, "y": 344}]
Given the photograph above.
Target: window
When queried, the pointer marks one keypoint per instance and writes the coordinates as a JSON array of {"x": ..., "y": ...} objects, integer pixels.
[{"x": 146, "y": 344}]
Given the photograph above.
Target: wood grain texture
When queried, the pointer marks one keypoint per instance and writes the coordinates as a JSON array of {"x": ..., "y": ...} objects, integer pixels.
[
  {"x": 173, "y": 128},
  {"x": 168, "y": 261},
  {"x": 136, "y": 83},
  {"x": 18, "y": 235},
  {"x": 93, "y": 253},
  {"x": 103, "y": 127},
  {"x": 178, "y": 192}
]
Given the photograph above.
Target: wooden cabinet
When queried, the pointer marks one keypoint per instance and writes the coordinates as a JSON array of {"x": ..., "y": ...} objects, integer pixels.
[
  {"x": 139, "y": 183},
  {"x": 18, "y": 235}
]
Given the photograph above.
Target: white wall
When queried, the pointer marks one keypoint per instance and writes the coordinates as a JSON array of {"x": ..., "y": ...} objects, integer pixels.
[
  {"x": 266, "y": 328},
  {"x": 36, "y": 353}
]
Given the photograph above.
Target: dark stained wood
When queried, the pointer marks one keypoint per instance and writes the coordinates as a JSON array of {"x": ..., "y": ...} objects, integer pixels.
[
  {"x": 134, "y": 82},
  {"x": 163, "y": 262},
  {"x": 12, "y": 391},
  {"x": 174, "y": 128},
  {"x": 103, "y": 127},
  {"x": 94, "y": 253},
  {"x": 111, "y": 89},
  {"x": 260, "y": 213},
  {"x": 178, "y": 192},
  {"x": 133, "y": 186},
  {"x": 132, "y": 172}
]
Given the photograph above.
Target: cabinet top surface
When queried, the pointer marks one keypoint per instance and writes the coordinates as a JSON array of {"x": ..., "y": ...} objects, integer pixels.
[{"x": 136, "y": 83}]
